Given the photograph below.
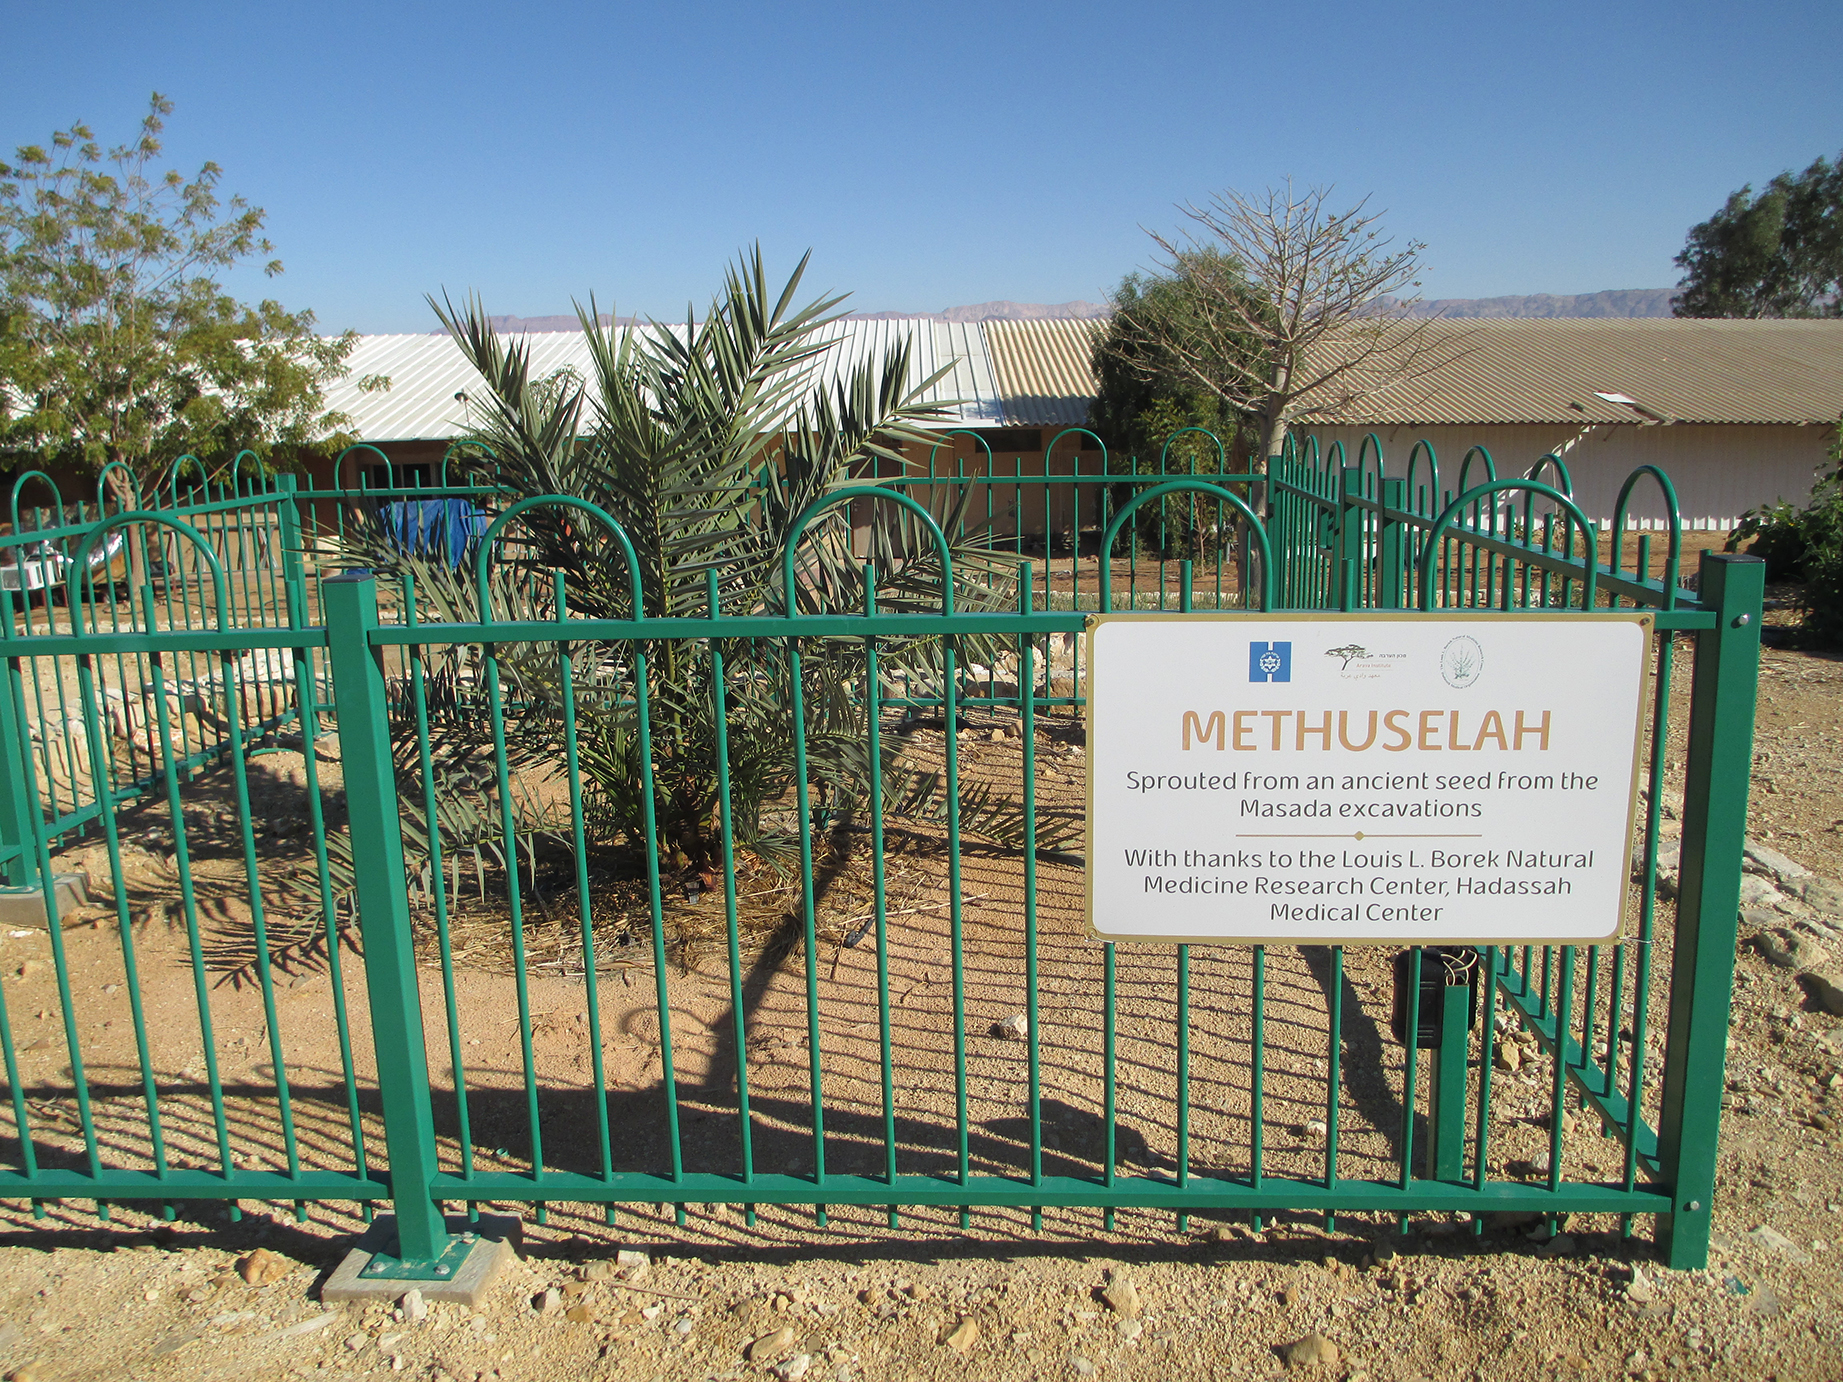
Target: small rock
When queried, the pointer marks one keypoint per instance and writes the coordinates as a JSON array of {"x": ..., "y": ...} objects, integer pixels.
[
  {"x": 629, "y": 1257},
  {"x": 1509, "y": 1056},
  {"x": 1561, "y": 1245},
  {"x": 262, "y": 1266},
  {"x": 1122, "y": 1297},
  {"x": 1785, "y": 949},
  {"x": 794, "y": 1367},
  {"x": 1772, "y": 1240},
  {"x": 1822, "y": 895},
  {"x": 1013, "y": 1028},
  {"x": 356, "y": 1342},
  {"x": 548, "y": 1301},
  {"x": 1639, "y": 1288},
  {"x": 579, "y": 1314},
  {"x": 964, "y": 1336},
  {"x": 1758, "y": 858},
  {"x": 1763, "y": 1302},
  {"x": 1313, "y": 1350},
  {"x": 387, "y": 1343},
  {"x": 414, "y": 1308},
  {"x": 770, "y": 1346},
  {"x": 1083, "y": 1368},
  {"x": 1825, "y": 988},
  {"x": 1316, "y": 1130},
  {"x": 1757, "y": 892},
  {"x": 599, "y": 1270},
  {"x": 312, "y": 1325}
]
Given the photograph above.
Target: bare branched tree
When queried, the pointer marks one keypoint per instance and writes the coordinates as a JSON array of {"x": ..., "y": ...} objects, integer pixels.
[{"x": 1289, "y": 310}]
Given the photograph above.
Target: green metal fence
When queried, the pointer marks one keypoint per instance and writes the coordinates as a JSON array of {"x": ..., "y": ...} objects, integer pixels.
[{"x": 862, "y": 983}]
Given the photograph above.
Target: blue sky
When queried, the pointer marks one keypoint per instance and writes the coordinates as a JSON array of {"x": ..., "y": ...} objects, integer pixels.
[{"x": 929, "y": 153}]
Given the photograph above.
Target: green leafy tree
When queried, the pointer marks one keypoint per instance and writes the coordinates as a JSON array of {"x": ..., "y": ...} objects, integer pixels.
[
  {"x": 1145, "y": 399},
  {"x": 1137, "y": 376},
  {"x": 1775, "y": 253},
  {"x": 1805, "y": 545},
  {"x": 117, "y": 341}
]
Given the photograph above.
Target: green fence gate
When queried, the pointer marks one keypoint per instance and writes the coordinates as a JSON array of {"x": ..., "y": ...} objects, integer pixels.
[{"x": 778, "y": 907}]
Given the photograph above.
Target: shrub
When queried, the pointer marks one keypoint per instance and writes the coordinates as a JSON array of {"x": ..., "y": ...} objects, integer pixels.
[{"x": 1805, "y": 545}]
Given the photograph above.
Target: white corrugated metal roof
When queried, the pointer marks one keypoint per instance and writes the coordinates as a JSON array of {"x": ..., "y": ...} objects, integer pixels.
[{"x": 426, "y": 372}]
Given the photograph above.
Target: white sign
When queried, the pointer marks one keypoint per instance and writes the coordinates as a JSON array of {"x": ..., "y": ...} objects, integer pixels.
[{"x": 1409, "y": 778}]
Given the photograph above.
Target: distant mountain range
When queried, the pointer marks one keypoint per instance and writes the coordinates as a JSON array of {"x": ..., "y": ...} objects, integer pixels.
[
  {"x": 999, "y": 312},
  {"x": 1613, "y": 302}
]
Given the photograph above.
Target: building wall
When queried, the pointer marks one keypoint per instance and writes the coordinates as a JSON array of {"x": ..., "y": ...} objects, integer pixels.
[
  {"x": 1719, "y": 471},
  {"x": 1007, "y": 509}
]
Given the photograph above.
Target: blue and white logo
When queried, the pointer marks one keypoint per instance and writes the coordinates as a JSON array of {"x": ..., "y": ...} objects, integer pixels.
[{"x": 1270, "y": 662}]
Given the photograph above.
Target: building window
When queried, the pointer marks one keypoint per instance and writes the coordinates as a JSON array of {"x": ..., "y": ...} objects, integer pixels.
[{"x": 401, "y": 476}]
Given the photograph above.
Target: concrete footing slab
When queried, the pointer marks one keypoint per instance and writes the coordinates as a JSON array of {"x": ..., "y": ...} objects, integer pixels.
[
  {"x": 20, "y": 907},
  {"x": 482, "y": 1249}
]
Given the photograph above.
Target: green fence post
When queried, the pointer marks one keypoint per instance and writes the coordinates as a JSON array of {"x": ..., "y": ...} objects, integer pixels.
[
  {"x": 288, "y": 530},
  {"x": 17, "y": 810},
  {"x": 1446, "y": 1083},
  {"x": 1720, "y": 755},
  {"x": 1389, "y": 545},
  {"x": 351, "y": 610},
  {"x": 1347, "y": 577}
]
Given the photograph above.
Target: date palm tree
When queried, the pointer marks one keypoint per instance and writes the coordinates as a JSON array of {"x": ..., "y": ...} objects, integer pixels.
[{"x": 705, "y": 443}]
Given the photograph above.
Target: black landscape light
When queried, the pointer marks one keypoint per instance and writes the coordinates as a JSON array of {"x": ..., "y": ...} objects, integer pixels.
[{"x": 1442, "y": 967}]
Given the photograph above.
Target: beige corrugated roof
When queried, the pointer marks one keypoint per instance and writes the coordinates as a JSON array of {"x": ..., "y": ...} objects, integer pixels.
[
  {"x": 1043, "y": 369},
  {"x": 1553, "y": 370},
  {"x": 1547, "y": 370}
]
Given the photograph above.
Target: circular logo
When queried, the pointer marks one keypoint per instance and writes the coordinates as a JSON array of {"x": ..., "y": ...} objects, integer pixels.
[
  {"x": 1461, "y": 661},
  {"x": 1270, "y": 662}
]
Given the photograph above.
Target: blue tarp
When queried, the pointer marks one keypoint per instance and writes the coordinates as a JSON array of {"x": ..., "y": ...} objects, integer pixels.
[{"x": 442, "y": 529}]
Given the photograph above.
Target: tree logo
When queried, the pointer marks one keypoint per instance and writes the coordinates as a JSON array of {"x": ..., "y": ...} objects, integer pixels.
[{"x": 1462, "y": 661}]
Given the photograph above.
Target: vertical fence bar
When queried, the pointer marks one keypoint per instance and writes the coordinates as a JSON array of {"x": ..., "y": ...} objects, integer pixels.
[
  {"x": 873, "y": 725},
  {"x": 1720, "y": 755},
  {"x": 1027, "y": 711},
  {"x": 351, "y": 610},
  {"x": 808, "y": 906},
  {"x": 1346, "y": 576},
  {"x": 1446, "y": 1080},
  {"x": 1391, "y": 546},
  {"x": 17, "y": 809},
  {"x": 726, "y": 815}
]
